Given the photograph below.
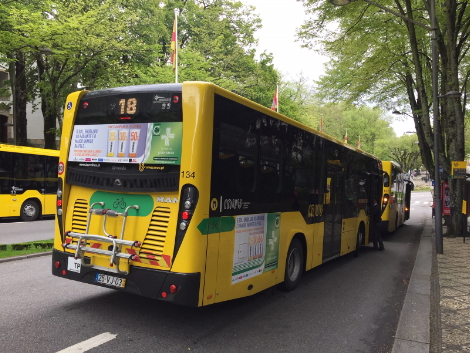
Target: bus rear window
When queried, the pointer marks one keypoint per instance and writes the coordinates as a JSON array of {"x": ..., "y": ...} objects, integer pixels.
[
  {"x": 128, "y": 127},
  {"x": 127, "y": 139}
]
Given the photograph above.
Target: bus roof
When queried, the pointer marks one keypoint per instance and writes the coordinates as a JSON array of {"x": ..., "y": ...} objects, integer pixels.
[
  {"x": 29, "y": 150},
  {"x": 226, "y": 93}
]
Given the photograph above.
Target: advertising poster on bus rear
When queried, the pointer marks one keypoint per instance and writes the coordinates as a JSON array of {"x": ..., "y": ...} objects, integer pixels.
[{"x": 149, "y": 143}]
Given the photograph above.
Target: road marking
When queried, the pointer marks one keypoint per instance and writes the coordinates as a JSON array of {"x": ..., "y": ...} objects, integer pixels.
[{"x": 90, "y": 343}]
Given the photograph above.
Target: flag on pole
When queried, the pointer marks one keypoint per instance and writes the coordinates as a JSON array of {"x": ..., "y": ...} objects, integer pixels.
[
  {"x": 346, "y": 137},
  {"x": 173, "y": 47},
  {"x": 359, "y": 142},
  {"x": 275, "y": 104}
]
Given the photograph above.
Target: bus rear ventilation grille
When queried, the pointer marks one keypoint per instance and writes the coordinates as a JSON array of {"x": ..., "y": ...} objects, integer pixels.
[
  {"x": 165, "y": 182},
  {"x": 79, "y": 216},
  {"x": 154, "y": 241}
]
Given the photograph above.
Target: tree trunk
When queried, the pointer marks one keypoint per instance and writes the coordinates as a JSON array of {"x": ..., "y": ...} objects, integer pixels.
[
  {"x": 49, "y": 111},
  {"x": 453, "y": 116},
  {"x": 20, "y": 100}
]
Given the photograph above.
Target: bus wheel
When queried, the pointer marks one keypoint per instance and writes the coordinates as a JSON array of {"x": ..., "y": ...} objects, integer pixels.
[
  {"x": 294, "y": 266},
  {"x": 29, "y": 211},
  {"x": 359, "y": 240}
]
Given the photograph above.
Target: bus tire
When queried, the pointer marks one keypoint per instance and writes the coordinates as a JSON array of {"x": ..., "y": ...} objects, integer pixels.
[
  {"x": 29, "y": 211},
  {"x": 359, "y": 240},
  {"x": 294, "y": 266}
]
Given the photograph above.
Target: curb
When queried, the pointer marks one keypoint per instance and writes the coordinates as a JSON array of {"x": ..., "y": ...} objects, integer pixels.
[
  {"x": 413, "y": 331},
  {"x": 22, "y": 257}
]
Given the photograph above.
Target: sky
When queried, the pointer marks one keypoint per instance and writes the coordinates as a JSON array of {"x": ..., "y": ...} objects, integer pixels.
[{"x": 280, "y": 20}]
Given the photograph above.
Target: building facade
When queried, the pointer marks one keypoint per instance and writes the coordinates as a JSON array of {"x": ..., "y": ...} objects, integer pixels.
[{"x": 35, "y": 120}]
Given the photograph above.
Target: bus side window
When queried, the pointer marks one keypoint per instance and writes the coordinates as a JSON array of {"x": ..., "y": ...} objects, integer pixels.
[
  {"x": 227, "y": 171},
  {"x": 386, "y": 180},
  {"x": 246, "y": 181},
  {"x": 50, "y": 180},
  {"x": 21, "y": 173},
  {"x": 269, "y": 182},
  {"x": 5, "y": 173}
]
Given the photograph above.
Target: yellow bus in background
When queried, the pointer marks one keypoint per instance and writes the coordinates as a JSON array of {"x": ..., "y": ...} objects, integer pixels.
[
  {"x": 193, "y": 195},
  {"x": 28, "y": 181},
  {"x": 396, "y": 202}
]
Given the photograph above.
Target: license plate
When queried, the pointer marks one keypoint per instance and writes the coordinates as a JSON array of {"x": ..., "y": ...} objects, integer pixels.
[
  {"x": 74, "y": 265},
  {"x": 110, "y": 280}
]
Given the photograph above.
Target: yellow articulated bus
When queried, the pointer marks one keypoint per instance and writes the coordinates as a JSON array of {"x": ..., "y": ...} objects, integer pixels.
[
  {"x": 396, "y": 196},
  {"x": 191, "y": 194},
  {"x": 28, "y": 181}
]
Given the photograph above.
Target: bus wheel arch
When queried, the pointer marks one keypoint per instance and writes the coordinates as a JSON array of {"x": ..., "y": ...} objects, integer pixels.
[
  {"x": 295, "y": 263},
  {"x": 360, "y": 238},
  {"x": 30, "y": 210}
]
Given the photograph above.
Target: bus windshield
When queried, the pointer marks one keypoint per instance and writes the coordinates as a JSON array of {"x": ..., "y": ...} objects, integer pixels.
[{"x": 135, "y": 133}]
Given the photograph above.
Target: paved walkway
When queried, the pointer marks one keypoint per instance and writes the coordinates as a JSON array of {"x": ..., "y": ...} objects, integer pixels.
[
  {"x": 435, "y": 317},
  {"x": 454, "y": 283}
]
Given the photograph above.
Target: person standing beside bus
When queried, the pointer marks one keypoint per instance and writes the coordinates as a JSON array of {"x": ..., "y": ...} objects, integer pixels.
[
  {"x": 433, "y": 205},
  {"x": 376, "y": 219}
]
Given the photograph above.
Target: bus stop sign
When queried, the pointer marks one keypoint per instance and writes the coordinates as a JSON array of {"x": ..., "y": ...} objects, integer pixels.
[{"x": 459, "y": 169}]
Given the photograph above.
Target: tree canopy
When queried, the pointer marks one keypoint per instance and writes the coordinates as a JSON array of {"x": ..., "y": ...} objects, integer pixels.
[
  {"x": 383, "y": 58},
  {"x": 56, "y": 47}
]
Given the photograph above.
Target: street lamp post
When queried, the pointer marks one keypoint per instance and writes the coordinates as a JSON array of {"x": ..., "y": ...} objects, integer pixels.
[{"x": 434, "y": 56}]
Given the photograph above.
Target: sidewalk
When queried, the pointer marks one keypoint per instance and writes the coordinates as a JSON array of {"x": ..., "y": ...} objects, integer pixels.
[
  {"x": 413, "y": 332},
  {"x": 436, "y": 313},
  {"x": 454, "y": 283}
]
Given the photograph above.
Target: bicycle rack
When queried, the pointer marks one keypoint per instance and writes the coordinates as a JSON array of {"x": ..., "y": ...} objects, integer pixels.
[{"x": 115, "y": 253}]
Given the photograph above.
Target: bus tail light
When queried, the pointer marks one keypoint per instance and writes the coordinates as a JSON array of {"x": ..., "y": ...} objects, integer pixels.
[
  {"x": 189, "y": 198},
  {"x": 60, "y": 184},
  {"x": 385, "y": 201},
  {"x": 57, "y": 264},
  {"x": 173, "y": 289}
]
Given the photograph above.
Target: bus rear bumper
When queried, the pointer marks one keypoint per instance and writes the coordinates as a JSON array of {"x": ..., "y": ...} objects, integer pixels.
[{"x": 141, "y": 281}]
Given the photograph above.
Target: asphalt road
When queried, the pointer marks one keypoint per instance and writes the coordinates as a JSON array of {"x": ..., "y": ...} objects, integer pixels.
[
  {"x": 15, "y": 231},
  {"x": 346, "y": 305}
]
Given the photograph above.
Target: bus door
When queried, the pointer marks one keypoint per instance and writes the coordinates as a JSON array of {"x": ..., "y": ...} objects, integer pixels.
[{"x": 333, "y": 212}]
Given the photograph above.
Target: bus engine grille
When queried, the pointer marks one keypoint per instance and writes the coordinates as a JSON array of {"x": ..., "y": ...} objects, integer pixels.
[
  {"x": 154, "y": 241},
  {"x": 79, "y": 216}
]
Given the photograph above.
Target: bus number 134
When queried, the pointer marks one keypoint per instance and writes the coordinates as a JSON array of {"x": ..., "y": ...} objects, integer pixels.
[{"x": 188, "y": 174}]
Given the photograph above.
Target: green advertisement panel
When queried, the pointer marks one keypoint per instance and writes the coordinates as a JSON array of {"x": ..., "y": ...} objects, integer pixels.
[{"x": 166, "y": 143}]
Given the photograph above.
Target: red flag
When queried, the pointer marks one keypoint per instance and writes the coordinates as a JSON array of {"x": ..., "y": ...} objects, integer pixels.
[
  {"x": 173, "y": 46},
  {"x": 275, "y": 104}
]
